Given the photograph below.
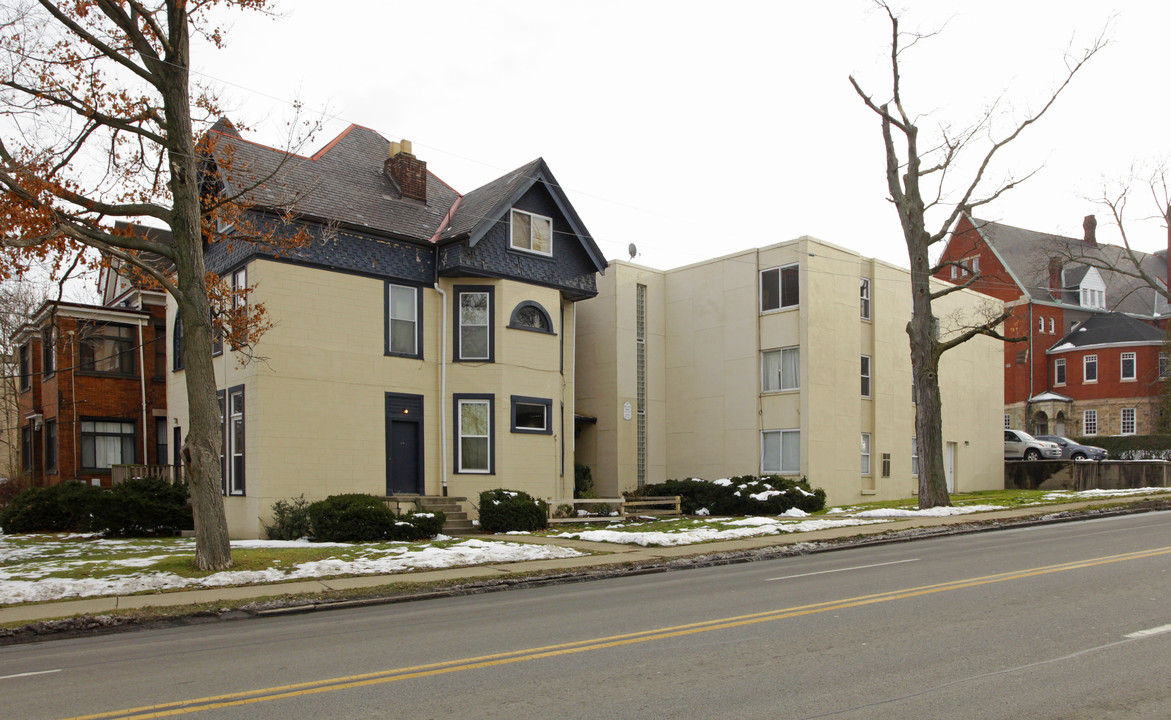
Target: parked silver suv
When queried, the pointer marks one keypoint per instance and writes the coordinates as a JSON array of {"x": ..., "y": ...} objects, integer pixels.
[{"x": 1020, "y": 445}]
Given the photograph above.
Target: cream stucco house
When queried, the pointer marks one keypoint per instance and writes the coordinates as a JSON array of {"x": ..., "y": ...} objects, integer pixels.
[
  {"x": 790, "y": 359},
  {"x": 423, "y": 343}
]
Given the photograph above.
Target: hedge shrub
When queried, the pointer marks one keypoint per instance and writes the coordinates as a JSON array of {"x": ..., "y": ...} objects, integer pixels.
[
  {"x": 741, "y": 495},
  {"x": 353, "y": 517},
  {"x": 512, "y": 510},
  {"x": 68, "y": 507},
  {"x": 143, "y": 507},
  {"x": 290, "y": 520},
  {"x": 417, "y": 526},
  {"x": 1131, "y": 447}
]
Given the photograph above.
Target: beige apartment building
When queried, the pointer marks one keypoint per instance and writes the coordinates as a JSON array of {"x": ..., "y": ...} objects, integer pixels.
[
  {"x": 791, "y": 359},
  {"x": 422, "y": 346}
]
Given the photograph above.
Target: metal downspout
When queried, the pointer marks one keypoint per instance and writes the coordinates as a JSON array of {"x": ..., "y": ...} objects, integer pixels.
[
  {"x": 442, "y": 384},
  {"x": 1029, "y": 399},
  {"x": 142, "y": 387},
  {"x": 443, "y": 347}
]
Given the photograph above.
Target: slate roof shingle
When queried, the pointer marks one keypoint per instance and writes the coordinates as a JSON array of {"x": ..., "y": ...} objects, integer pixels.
[
  {"x": 1026, "y": 254},
  {"x": 1107, "y": 329}
]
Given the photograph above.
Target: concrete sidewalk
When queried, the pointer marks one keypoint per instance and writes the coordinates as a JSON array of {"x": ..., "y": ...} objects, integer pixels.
[{"x": 610, "y": 555}]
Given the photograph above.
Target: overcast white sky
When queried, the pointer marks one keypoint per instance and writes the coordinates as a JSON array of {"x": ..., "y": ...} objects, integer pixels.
[{"x": 696, "y": 129}]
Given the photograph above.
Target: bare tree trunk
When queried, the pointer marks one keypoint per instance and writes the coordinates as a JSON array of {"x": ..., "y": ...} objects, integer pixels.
[
  {"x": 925, "y": 354},
  {"x": 202, "y": 448}
]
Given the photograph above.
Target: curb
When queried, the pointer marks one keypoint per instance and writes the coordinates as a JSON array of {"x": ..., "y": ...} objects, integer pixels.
[{"x": 86, "y": 625}]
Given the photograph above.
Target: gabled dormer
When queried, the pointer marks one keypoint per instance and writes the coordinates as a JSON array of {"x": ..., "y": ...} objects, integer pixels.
[
  {"x": 522, "y": 227},
  {"x": 1090, "y": 289}
]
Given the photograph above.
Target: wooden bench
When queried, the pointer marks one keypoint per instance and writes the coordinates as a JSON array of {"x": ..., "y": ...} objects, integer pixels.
[{"x": 657, "y": 506}]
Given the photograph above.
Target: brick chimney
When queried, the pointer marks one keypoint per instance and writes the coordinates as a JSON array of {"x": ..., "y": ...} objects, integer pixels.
[
  {"x": 407, "y": 171},
  {"x": 1055, "y": 274},
  {"x": 1090, "y": 226}
]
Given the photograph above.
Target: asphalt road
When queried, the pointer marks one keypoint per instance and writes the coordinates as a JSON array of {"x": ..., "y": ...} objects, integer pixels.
[{"x": 1060, "y": 621}]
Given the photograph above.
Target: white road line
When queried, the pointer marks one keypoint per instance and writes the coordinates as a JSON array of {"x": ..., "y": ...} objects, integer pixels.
[
  {"x": 857, "y": 567},
  {"x": 1147, "y": 633},
  {"x": 19, "y": 675}
]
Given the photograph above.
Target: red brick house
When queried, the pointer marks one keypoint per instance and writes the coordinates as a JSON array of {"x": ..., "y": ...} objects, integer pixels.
[
  {"x": 91, "y": 390},
  {"x": 1080, "y": 321}
]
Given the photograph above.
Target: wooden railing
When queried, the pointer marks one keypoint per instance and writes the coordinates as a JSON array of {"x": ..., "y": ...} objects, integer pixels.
[{"x": 121, "y": 473}]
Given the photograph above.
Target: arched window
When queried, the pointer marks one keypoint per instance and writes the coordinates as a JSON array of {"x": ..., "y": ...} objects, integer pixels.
[{"x": 529, "y": 315}]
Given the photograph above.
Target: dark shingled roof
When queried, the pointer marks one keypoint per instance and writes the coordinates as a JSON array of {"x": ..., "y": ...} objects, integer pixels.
[
  {"x": 1026, "y": 254},
  {"x": 485, "y": 203},
  {"x": 343, "y": 182},
  {"x": 1107, "y": 329}
]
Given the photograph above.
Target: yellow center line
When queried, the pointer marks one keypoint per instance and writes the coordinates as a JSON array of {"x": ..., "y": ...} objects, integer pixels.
[{"x": 497, "y": 659}]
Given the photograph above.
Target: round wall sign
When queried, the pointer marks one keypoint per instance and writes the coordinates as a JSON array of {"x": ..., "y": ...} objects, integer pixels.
[{"x": 626, "y": 410}]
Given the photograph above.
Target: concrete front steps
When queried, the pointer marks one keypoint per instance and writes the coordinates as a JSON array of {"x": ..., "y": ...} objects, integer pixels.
[{"x": 452, "y": 507}]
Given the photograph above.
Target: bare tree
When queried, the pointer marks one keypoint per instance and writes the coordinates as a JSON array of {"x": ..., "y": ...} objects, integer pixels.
[
  {"x": 18, "y": 301},
  {"x": 918, "y": 182},
  {"x": 99, "y": 123},
  {"x": 1151, "y": 190}
]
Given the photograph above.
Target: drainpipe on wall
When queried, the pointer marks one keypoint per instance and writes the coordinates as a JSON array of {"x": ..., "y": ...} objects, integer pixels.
[
  {"x": 442, "y": 388},
  {"x": 572, "y": 434},
  {"x": 142, "y": 387},
  {"x": 1028, "y": 400},
  {"x": 443, "y": 225},
  {"x": 73, "y": 401}
]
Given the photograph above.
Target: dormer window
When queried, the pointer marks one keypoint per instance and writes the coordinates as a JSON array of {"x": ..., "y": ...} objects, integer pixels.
[
  {"x": 532, "y": 233},
  {"x": 1093, "y": 298}
]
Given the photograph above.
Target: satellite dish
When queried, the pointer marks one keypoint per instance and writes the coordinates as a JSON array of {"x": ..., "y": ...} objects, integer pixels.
[{"x": 632, "y": 250}]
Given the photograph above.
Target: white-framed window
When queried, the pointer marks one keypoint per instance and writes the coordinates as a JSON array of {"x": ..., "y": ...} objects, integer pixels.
[
  {"x": 1164, "y": 365},
  {"x": 235, "y": 440},
  {"x": 1052, "y": 327},
  {"x": 965, "y": 268},
  {"x": 864, "y": 297},
  {"x": 779, "y": 288},
  {"x": 402, "y": 320},
  {"x": 1090, "y": 369},
  {"x": 865, "y": 376},
  {"x": 105, "y": 443},
  {"x": 780, "y": 451},
  {"x": 865, "y": 453},
  {"x": 1059, "y": 371},
  {"x": 780, "y": 369},
  {"x": 1007, "y": 421},
  {"x": 532, "y": 233},
  {"x": 1128, "y": 366},
  {"x": 1093, "y": 298},
  {"x": 915, "y": 451},
  {"x": 473, "y": 452},
  {"x": 1128, "y": 421},
  {"x": 1040, "y": 324},
  {"x": 1089, "y": 422},
  {"x": 473, "y": 318}
]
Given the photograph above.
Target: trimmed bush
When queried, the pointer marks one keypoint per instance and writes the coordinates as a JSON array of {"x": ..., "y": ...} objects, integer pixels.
[
  {"x": 1131, "y": 447},
  {"x": 512, "y": 510},
  {"x": 68, "y": 507},
  {"x": 290, "y": 520},
  {"x": 144, "y": 507},
  {"x": 417, "y": 526},
  {"x": 353, "y": 517},
  {"x": 742, "y": 495},
  {"x": 10, "y": 488}
]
